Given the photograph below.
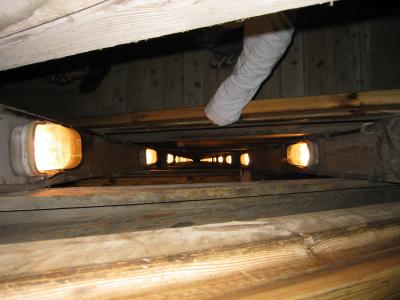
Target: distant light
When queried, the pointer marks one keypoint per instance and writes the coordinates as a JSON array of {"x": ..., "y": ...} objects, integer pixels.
[
  {"x": 245, "y": 159},
  {"x": 170, "y": 159},
  {"x": 44, "y": 148},
  {"x": 220, "y": 159},
  {"x": 302, "y": 154},
  {"x": 228, "y": 159},
  {"x": 151, "y": 156},
  {"x": 179, "y": 160}
]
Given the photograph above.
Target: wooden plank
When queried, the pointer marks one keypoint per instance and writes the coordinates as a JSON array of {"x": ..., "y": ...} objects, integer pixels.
[
  {"x": 24, "y": 14},
  {"x": 193, "y": 63},
  {"x": 19, "y": 226},
  {"x": 172, "y": 80},
  {"x": 156, "y": 77},
  {"x": 375, "y": 279},
  {"x": 55, "y": 198},
  {"x": 365, "y": 55},
  {"x": 347, "y": 57},
  {"x": 115, "y": 22},
  {"x": 384, "y": 59},
  {"x": 292, "y": 70},
  {"x": 157, "y": 180},
  {"x": 219, "y": 258},
  {"x": 319, "y": 61},
  {"x": 348, "y": 102},
  {"x": 233, "y": 135},
  {"x": 139, "y": 86},
  {"x": 271, "y": 87}
]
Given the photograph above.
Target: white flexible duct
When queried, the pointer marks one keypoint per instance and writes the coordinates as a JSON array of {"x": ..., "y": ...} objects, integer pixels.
[{"x": 266, "y": 39}]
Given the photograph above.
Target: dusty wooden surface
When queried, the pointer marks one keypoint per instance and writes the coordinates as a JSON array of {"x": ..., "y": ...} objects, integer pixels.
[
  {"x": 72, "y": 212},
  {"x": 213, "y": 260},
  {"x": 271, "y": 109},
  {"x": 109, "y": 23},
  {"x": 374, "y": 279},
  {"x": 96, "y": 196}
]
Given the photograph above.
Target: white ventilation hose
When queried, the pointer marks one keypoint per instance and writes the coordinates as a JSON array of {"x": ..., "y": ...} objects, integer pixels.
[{"x": 266, "y": 39}]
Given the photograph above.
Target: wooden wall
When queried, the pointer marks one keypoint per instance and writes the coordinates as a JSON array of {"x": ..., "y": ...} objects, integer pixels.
[{"x": 325, "y": 58}]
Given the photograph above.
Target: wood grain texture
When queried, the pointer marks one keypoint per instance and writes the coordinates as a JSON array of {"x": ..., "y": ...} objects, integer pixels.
[
  {"x": 374, "y": 279},
  {"x": 20, "y": 226},
  {"x": 292, "y": 74},
  {"x": 219, "y": 258},
  {"x": 172, "y": 80},
  {"x": 232, "y": 135},
  {"x": 193, "y": 63},
  {"x": 55, "y": 198},
  {"x": 363, "y": 100},
  {"x": 22, "y": 15},
  {"x": 320, "y": 61},
  {"x": 113, "y": 22},
  {"x": 271, "y": 87},
  {"x": 347, "y": 57}
]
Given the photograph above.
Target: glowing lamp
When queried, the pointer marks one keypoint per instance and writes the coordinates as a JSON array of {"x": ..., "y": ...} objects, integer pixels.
[
  {"x": 170, "y": 159},
  {"x": 220, "y": 159},
  {"x": 228, "y": 159},
  {"x": 43, "y": 148},
  {"x": 302, "y": 154},
  {"x": 151, "y": 156},
  {"x": 245, "y": 159}
]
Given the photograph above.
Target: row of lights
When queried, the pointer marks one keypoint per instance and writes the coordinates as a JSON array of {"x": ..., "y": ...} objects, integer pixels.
[
  {"x": 41, "y": 148},
  {"x": 218, "y": 159},
  {"x": 177, "y": 159},
  {"x": 151, "y": 158}
]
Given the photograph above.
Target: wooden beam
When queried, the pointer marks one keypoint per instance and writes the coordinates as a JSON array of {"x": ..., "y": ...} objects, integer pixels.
[
  {"x": 355, "y": 104},
  {"x": 55, "y": 198},
  {"x": 102, "y": 24},
  {"x": 22, "y": 15},
  {"x": 105, "y": 211},
  {"x": 374, "y": 279},
  {"x": 232, "y": 135},
  {"x": 212, "y": 260}
]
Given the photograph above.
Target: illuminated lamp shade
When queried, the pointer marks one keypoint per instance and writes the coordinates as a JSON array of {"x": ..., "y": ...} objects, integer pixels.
[
  {"x": 302, "y": 154},
  {"x": 220, "y": 159},
  {"x": 228, "y": 159},
  {"x": 170, "y": 159},
  {"x": 151, "y": 156},
  {"x": 44, "y": 149},
  {"x": 245, "y": 159}
]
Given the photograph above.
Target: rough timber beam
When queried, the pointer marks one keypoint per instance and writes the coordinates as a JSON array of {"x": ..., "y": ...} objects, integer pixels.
[
  {"x": 347, "y": 254},
  {"x": 54, "y": 29},
  {"x": 324, "y": 106}
]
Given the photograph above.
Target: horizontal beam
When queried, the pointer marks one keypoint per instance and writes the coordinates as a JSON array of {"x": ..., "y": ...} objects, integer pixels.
[
  {"x": 57, "y": 198},
  {"x": 102, "y": 216},
  {"x": 101, "y": 24},
  {"x": 233, "y": 135},
  {"x": 204, "y": 261},
  {"x": 373, "y": 279},
  {"x": 21, "y": 15},
  {"x": 340, "y": 105}
]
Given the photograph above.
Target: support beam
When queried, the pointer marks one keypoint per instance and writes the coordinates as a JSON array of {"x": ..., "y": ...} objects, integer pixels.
[
  {"x": 208, "y": 261},
  {"x": 71, "y": 212},
  {"x": 328, "y": 106},
  {"x": 102, "y": 24}
]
